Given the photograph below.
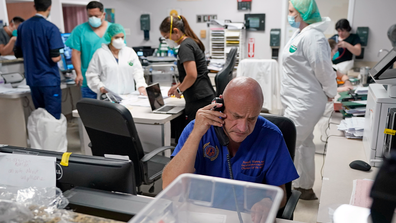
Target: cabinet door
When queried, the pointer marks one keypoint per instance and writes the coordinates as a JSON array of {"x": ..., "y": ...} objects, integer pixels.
[{"x": 381, "y": 128}]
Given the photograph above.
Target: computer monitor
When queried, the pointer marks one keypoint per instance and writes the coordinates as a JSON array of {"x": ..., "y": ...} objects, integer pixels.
[
  {"x": 66, "y": 54},
  {"x": 143, "y": 50},
  {"x": 382, "y": 74},
  {"x": 87, "y": 171},
  {"x": 378, "y": 71}
]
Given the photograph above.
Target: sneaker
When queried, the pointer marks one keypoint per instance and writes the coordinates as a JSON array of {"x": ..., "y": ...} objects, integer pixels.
[{"x": 307, "y": 194}]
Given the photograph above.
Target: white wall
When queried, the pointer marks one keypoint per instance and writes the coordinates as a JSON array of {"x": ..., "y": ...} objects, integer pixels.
[
  {"x": 335, "y": 10},
  {"x": 56, "y": 16},
  {"x": 378, "y": 16},
  {"x": 3, "y": 12},
  {"x": 127, "y": 13}
]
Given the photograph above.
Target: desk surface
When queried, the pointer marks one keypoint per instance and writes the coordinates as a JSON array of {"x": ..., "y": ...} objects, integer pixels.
[
  {"x": 21, "y": 94},
  {"x": 338, "y": 177},
  {"x": 144, "y": 115}
]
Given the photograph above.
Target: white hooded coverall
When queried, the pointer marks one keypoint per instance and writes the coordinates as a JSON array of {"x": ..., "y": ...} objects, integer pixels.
[
  {"x": 104, "y": 71},
  {"x": 308, "y": 81}
]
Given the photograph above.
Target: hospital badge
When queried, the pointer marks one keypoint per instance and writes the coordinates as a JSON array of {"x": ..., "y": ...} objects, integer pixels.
[
  {"x": 210, "y": 152},
  {"x": 292, "y": 49},
  {"x": 130, "y": 63}
]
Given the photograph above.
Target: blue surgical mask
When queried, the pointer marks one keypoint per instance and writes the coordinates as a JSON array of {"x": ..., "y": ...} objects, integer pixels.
[
  {"x": 292, "y": 21},
  {"x": 14, "y": 33},
  {"x": 95, "y": 22},
  {"x": 336, "y": 55}
]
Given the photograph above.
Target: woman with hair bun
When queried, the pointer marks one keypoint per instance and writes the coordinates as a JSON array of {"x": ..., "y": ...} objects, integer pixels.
[{"x": 194, "y": 83}]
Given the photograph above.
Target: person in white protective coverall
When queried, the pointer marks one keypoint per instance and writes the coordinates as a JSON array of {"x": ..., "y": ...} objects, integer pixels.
[
  {"x": 115, "y": 66},
  {"x": 309, "y": 81}
]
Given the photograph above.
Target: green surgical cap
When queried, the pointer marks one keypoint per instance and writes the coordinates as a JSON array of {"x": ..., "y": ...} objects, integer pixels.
[
  {"x": 308, "y": 10},
  {"x": 113, "y": 30}
]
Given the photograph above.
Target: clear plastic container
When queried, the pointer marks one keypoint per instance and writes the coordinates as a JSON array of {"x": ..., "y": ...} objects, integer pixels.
[{"x": 197, "y": 198}]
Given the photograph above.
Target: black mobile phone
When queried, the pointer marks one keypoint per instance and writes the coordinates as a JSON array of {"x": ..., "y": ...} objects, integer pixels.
[{"x": 223, "y": 138}]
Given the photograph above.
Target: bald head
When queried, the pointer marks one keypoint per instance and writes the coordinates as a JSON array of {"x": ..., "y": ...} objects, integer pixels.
[
  {"x": 243, "y": 100},
  {"x": 244, "y": 89}
]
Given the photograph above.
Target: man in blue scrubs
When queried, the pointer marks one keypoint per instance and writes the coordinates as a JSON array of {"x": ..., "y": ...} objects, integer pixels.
[
  {"x": 256, "y": 150},
  {"x": 38, "y": 43},
  {"x": 85, "y": 39}
]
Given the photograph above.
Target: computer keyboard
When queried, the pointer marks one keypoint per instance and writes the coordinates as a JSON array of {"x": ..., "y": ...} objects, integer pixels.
[{"x": 166, "y": 108}]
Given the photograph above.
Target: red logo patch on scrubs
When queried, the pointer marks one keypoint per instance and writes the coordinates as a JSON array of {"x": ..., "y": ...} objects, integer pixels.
[{"x": 210, "y": 152}]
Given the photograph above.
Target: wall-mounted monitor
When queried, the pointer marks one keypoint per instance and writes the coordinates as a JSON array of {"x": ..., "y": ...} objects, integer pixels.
[{"x": 255, "y": 22}]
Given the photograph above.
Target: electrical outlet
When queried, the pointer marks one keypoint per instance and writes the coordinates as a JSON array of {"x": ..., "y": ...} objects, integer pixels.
[
  {"x": 205, "y": 18},
  {"x": 199, "y": 18}
]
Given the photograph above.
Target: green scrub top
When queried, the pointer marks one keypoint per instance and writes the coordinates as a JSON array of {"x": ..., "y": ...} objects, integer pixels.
[{"x": 85, "y": 40}]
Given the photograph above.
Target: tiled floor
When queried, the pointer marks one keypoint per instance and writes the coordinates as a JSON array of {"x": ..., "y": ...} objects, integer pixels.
[{"x": 306, "y": 211}]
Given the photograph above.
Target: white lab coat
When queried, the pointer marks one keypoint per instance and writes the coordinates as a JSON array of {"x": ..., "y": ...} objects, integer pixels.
[
  {"x": 308, "y": 81},
  {"x": 104, "y": 71}
]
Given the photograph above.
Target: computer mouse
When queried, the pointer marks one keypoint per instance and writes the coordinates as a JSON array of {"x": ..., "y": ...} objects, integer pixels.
[{"x": 360, "y": 165}]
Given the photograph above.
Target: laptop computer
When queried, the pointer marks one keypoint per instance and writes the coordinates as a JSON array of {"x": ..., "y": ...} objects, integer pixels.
[{"x": 157, "y": 101}]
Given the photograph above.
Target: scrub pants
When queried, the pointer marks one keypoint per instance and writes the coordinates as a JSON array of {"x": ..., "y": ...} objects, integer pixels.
[
  {"x": 192, "y": 107},
  {"x": 49, "y": 98},
  {"x": 88, "y": 93},
  {"x": 304, "y": 158}
]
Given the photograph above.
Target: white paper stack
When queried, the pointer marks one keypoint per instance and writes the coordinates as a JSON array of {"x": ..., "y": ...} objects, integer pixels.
[
  {"x": 216, "y": 64},
  {"x": 353, "y": 127},
  {"x": 361, "y": 90}
]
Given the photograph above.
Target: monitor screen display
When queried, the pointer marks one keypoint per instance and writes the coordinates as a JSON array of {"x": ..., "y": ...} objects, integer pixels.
[
  {"x": 139, "y": 53},
  {"x": 67, "y": 53},
  {"x": 254, "y": 22},
  {"x": 155, "y": 96}
]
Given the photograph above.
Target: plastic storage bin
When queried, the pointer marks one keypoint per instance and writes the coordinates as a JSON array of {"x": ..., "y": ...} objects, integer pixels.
[{"x": 197, "y": 198}]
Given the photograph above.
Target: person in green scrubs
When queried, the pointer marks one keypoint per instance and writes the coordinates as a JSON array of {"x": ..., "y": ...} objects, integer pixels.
[{"x": 85, "y": 39}]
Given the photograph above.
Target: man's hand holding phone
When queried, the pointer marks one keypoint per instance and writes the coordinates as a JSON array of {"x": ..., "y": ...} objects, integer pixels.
[{"x": 208, "y": 116}]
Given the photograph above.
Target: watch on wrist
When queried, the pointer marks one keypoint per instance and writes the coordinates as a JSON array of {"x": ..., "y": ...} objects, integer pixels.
[{"x": 179, "y": 91}]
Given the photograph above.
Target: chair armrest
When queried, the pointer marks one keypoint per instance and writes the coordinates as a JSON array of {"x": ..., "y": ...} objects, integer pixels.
[
  {"x": 150, "y": 155},
  {"x": 291, "y": 205}
]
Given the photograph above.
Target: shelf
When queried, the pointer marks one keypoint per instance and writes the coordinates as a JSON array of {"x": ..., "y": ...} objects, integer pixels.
[{"x": 222, "y": 40}]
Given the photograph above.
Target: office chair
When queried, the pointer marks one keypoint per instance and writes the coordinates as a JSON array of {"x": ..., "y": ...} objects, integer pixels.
[
  {"x": 112, "y": 130},
  {"x": 225, "y": 75},
  {"x": 288, "y": 130}
]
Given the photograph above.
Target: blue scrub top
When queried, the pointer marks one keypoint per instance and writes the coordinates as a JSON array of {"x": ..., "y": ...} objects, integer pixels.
[
  {"x": 85, "y": 40},
  {"x": 261, "y": 158},
  {"x": 37, "y": 37}
]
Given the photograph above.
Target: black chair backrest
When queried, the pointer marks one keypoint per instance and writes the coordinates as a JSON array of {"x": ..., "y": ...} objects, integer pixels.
[
  {"x": 225, "y": 75},
  {"x": 112, "y": 130},
  {"x": 289, "y": 132}
]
